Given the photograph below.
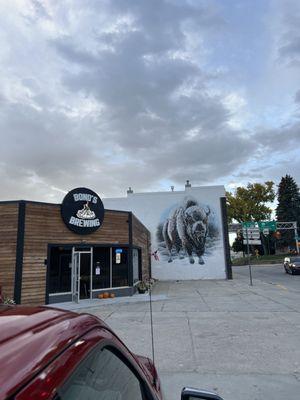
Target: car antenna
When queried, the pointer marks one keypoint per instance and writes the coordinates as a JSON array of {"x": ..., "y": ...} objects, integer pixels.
[{"x": 151, "y": 324}]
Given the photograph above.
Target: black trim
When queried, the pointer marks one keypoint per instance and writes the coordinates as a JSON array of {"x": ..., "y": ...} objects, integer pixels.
[
  {"x": 149, "y": 255},
  {"x": 10, "y": 201},
  {"x": 80, "y": 244},
  {"x": 48, "y": 274},
  {"x": 130, "y": 266},
  {"x": 54, "y": 205},
  {"x": 141, "y": 265},
  {"x": 86, "y": 245},
  {"x": 190, "y": 393},
  {"x": 117, "y": 211},
  {"x": 228, "y": 264},
  {"x": 29, "y": 201},
  {"x": 19, "y": 252}
]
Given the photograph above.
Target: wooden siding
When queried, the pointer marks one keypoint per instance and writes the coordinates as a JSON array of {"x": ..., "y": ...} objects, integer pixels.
[
  {"x": 43, "y": 226},
  {"x": 141, "y": 237},
  {"x": 8, "y": 243}
]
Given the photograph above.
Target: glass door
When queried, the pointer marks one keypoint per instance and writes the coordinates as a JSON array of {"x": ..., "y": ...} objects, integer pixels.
[
  {"x": 75, "y": 276},
  {"x": 82, "y": 273}
]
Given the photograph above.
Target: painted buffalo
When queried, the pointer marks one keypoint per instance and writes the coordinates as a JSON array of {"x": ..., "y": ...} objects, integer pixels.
[{"x": 185, "y": 230}]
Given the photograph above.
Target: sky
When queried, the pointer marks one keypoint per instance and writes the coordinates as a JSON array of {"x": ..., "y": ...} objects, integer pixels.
[{"x": 147, "y": 93}]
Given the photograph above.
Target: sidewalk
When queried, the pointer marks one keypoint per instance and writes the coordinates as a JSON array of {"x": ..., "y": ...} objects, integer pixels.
[
  {"x": 226, "y": 336},
  {"x": 95, "y": 303}
]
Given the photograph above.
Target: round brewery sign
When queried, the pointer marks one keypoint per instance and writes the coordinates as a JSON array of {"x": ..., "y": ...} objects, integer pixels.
[{"x": 82, "y": 211}]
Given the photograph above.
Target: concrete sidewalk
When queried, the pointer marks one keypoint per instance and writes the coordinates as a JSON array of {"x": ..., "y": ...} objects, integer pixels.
[{"x": 240, "y": 341}]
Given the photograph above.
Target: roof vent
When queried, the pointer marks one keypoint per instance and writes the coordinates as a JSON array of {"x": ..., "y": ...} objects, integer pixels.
[
  {"x": 129, "y": 190},
  {"x": 187, "y": 184},
  {"x": 172, "y": 188}
]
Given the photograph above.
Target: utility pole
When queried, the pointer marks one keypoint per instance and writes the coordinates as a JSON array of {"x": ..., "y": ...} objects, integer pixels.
[
  {"x": 248, "y": 252},
  {"x": 296, "y": 237}
]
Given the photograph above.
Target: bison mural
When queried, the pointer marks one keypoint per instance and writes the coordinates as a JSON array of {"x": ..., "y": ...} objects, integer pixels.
[{"x": 184, "y": 232}]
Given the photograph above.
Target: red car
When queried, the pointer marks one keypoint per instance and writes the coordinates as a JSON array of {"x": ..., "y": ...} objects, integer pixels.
[{"x": 47, "y": 353}]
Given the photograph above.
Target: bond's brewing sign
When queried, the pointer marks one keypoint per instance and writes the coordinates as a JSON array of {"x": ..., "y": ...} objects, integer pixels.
[{"x": 82, "y": 211}]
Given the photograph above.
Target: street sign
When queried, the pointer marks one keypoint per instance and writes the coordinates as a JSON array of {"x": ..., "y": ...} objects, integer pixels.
[
  {"x": 252, "y": 241},
  {"x": 252, "y": 233},
  {"x": 271, "y": 225},
  {"x": 249, "y": 224}
]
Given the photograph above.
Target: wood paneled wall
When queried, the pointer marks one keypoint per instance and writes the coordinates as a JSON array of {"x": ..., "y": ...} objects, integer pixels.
[
  {"x": 8, "y": 243},
  {"x": 141, "y": 237},
  {"x": 43, "y": 226}
]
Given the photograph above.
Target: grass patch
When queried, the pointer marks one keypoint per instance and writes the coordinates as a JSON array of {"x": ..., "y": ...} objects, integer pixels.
[{"x": 271, "y": 259}]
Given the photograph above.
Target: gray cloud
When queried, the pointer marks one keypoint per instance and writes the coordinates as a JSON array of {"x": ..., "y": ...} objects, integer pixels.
[
  {"x": 281, "y": 139},
  {"x": 289, "y": 44},
  {"x": 112, "y": 94}
]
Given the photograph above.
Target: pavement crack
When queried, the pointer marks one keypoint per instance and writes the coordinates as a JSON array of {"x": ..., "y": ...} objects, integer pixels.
[
  {"x": 192, "y": 341},
  {"x": 108, "y": 316},
  {"x": 203, "y": 299}
]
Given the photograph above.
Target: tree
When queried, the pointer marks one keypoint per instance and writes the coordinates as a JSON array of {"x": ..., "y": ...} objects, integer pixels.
[
  {"x": 250, "y": 203},
  {"x": 288, "y": 208}
]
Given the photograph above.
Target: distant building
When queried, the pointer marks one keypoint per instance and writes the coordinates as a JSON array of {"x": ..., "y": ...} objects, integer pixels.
[{"x": 187, "y": 230}]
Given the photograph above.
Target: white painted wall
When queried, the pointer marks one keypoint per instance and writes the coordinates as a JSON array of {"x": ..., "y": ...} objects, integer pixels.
[{"x": 154, "y": 207}]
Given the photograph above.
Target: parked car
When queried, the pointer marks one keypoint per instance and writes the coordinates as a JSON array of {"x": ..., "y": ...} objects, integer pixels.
[
  {"x": 47, "y": 353},
  {"x": 292, "y": 265}
]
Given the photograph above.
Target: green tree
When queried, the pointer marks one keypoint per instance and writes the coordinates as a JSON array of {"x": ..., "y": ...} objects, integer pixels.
[
  {"x": 288, "y": 208},
  {"x": 250, "y": 203},
  {"x": 238, "y": 245}
]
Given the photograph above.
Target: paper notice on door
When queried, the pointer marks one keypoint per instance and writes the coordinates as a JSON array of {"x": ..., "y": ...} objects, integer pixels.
[{"x": 98, "y": 271}]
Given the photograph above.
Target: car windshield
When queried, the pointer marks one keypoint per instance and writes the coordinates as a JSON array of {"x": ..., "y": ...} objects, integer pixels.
[{"x": 297, "y": 260}]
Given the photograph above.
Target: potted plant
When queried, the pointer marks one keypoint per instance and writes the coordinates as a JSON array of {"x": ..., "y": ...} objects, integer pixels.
[
  {"x": 142, "y": 287},
  {"x": 4, "y": 299},
  {"x": 8, "y": 300}
]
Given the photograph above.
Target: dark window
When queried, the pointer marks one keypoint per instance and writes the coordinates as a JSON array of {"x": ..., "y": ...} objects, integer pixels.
[
  {"x": 60, "y": 270},
  {"x": 136, "y": 254},
  {"x": 102, "y": 376},
  {"x": 101, "y": 268},
  {"x": 119, "y": 267}
]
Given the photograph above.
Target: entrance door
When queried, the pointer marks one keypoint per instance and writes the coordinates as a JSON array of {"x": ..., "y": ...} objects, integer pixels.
[
  {"x": 81, "y": 273},
  {"x": 75, "y": 275}
]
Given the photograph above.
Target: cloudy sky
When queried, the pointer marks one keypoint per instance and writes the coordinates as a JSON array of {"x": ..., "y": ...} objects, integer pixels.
[{"x": 146, "y": 93}]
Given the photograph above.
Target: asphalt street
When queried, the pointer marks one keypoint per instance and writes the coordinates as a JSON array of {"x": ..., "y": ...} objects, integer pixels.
[{"x": 239, "y": 340}]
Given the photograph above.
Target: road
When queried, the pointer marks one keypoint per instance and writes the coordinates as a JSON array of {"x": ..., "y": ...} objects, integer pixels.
[
  {"x": 272, "y": 274},
  {"x": 227, "y": 336}
]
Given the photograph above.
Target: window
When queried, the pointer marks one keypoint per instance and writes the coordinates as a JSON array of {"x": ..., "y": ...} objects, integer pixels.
[
  {"x": 102, "y": 376},
  {"x": 60, "y": 270},
  {"x": 135, "y": 265},
  {"x": 101, "y": 267},
  {"x": 119, "y": 267}
]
